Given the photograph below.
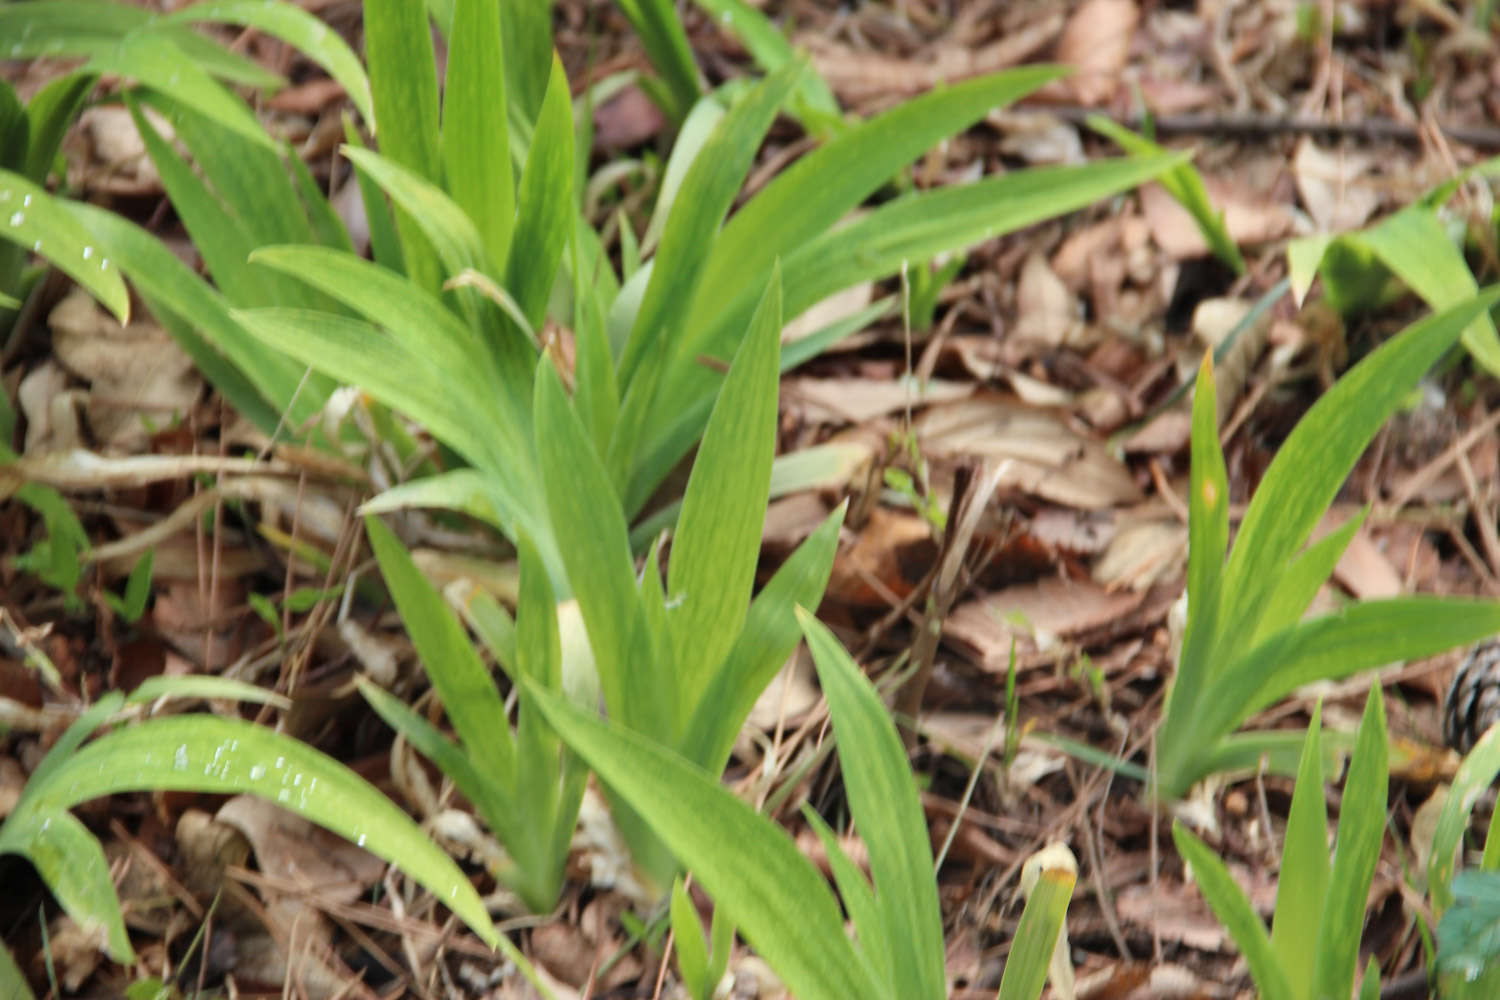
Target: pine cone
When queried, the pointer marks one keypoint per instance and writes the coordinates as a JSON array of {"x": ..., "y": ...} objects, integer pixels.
[{"x": 1473, "y": 702}]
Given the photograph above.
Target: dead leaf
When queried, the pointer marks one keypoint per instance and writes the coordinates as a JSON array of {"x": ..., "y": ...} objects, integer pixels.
[
  {"x": 1038, "y": 138},
  {"x": 51, "y": 410},
  {"x": 1333, "y": 188},
  {"x": 855, "y": 400},
  {"x": 839, "y": 305},
  {"x": 1034, "y": 616},
  {"x": 1143, "y": 552},
  {"x": 1045, "y": 310},
  {"x": 888, "y": 558},
  {"x": 627, "y": 119},
  {"x": 1048, "y": 458},
  {"x": 138, "y": 375},
  {"x": 1096, "y": 42}
]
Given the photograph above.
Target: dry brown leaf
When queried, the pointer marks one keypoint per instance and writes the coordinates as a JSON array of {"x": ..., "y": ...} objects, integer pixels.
[
  {"x": 1147, "y": 981},
  {"x": 1046, "y": 311},
  {"x": 138, "y": 376},
  {"x": 1034, "y": 616},
  {"x": 1142, "y": 553},
  {"x": 51, "y": 411},
  {"x": 854, "y": 400},
  {"x": 1048, "y": 458},
  {"x": 889, "y": 556},
  {"x": 1333, "y": 187},
  {"x": 839, "y": 305},
  {"x": 1096, "y": 43},
  {"x": 627, "y": 119}
]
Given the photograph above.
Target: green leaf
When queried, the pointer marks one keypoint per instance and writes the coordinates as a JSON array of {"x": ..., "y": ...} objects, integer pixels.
[
  {"x": 771, "y": 51},
  {"x": 457, "y": 674},
  {"x": 692, "y": 950},
  {"x": 859, "y": 901},
  {"x": 475, "y": 142},
  {"x": 1229, "y": 904},
  {"x": 403, "y": 81},
  {"x": 1476, "y": 774},
  {"x": 769, "y": 635},
  {"x": 55, "y": 28},
  {"x": 50, "y": 113},
  {"x": 71, "y": 862},
  {"x": 1361, "y": 829},
  {"x": 717, "y": 544},
  {"x": 1311, "y": 465},
  {"x": 297, "y": 28},
  {"x": 225, "y": 756},
  {"x": 1037, "y": 936},
  {"x": 34, "y": 220},
  {"x": 596, "y": 552},
  {"x": 157, "y": 63},
  {"x": 660, "y": 30},
  {"x": 1185, "y": 185},
  {"x": 707, "y": 191},
  {"x": 1416, "y": 247},
  {"x": 883, "y": 798},
  {"x": 820, "y": 189},
  {"x": 12, "y": 981},
  {"x": 1208, "y": 540},
  {"x": 545, "y": 203},
  {"x": 1302, "y": 885},
  {"x": 917, "y": 227},
  {"x": 1304, "y": 575},
  {"x": 428, "y": 741},
  {"x": 749, "y": 865},
  {"x": 527, "y": 34}
]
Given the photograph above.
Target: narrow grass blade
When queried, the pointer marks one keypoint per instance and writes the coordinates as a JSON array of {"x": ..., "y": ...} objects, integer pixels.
[
  {"x": 814, "y": 193},
  {"x": 475, "y": 141},
  {"x": 1303, "y": 883},
  {"x": 297, "y": 28},
  {"x": 660, "y": 30},
  {"x": 1475, "y": 776},
  {"x": 888, "y": 814},
  {"x": 50, "y": 113},
  {"x": 1361, "y": 829},
  {"x": 708, "y": 190},
  {"x": 12, "y": 981},
  {"x": 1304, "y": 575},
  {"x": 749, "y": 865},
  {"x": 1229, "y": 904},
  {"x": 1316, "y": 457},
  {"x": 1208, "y": 540},
  {"x": 224, "y": 756},
  {"x": 596, "y": 551},
  {"x": 526, "y": 27},
  {"x": 1365, "y": 635},
  {"x": 403, "y": 82},
  {"x": 717, "y": 544},
  {"x": 1185, "y": 185},
  {"x": 223, "y": 240},
  {"x": 769, "y": 635},
  {"x": 157, "y": 63},
  {"x": 873, "y": 937},
  {"x": 771, "y": 51},
  {"x": 914, "y": 228},
  {"x": 692, "y": 949},
  {"x": 1036, "y": 937},
  {"x": 545, "y": 203},
  {"x": 427, "y": 740},
  {"x": 460, "y": 678},
  {"x": 34, "y": 220}
]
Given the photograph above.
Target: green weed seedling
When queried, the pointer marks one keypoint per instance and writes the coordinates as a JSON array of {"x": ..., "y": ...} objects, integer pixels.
[
  {"x": 1312, "y": 952},
  {"x": 761, "y": 882},
  {"x": 1185, "y": 185},
  {"x": 1246, "y": 644},
  {"x": 206, "y": 753},
  {"x": 1412, "y": 249}
]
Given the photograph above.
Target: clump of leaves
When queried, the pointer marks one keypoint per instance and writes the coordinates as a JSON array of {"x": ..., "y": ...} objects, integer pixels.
[
  {"x": 1246, "y": 644},
  {"x": 1313, "y": 948}
]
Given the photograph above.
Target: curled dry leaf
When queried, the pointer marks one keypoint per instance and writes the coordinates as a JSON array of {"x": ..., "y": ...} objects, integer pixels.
[
  {"x": 1096, "y": 43},
  {"x": 853, "y": 400},
  {"x": 1046, "y": 310},
  {"x": 1034, "y": 616}
]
